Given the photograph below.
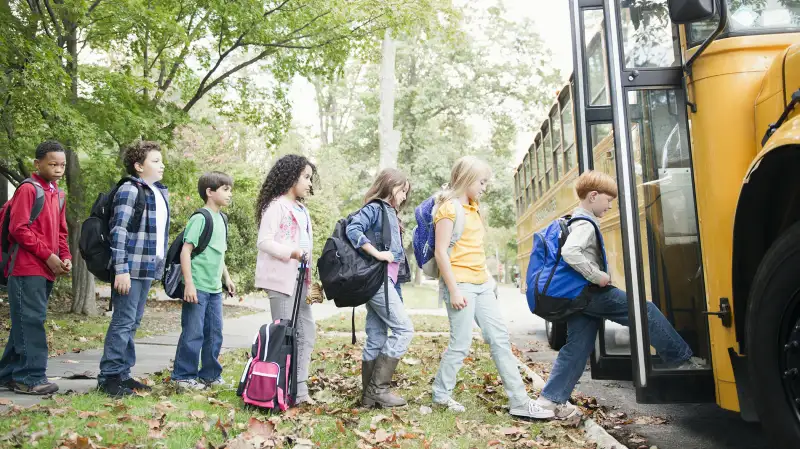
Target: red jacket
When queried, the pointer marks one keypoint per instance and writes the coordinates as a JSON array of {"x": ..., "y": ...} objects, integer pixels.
[{"x": 45, "y": 236}]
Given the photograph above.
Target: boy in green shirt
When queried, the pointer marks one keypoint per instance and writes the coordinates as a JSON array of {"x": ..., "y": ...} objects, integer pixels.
[{"x": 203, "y": 277}]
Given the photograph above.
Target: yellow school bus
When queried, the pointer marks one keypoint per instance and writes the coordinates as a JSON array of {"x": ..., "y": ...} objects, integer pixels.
[{"x": 690, "y": 105}]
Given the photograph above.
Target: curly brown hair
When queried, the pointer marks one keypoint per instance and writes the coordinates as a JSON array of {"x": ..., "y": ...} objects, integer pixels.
[
  {"x": 137, "y": 152},
  {"x": 282, "y": 177}
]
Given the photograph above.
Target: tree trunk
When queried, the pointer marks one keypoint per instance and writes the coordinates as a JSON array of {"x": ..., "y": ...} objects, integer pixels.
[
  {"x": 389, "y": 138},
  {"x": 3, "y": 190},
  {"x": 83, "y": 297}
]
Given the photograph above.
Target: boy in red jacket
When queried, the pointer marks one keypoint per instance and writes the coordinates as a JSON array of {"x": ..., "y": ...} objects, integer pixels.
[{"x": 42, "y": 254}]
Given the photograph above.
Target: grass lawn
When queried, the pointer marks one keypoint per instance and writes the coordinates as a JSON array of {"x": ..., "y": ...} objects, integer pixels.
[
  {"x": 343, "y": 323},
  {"x": 164, "y": 418},
  {"x": 420, "y": 296},
  {"x": 68, "y": 332}
]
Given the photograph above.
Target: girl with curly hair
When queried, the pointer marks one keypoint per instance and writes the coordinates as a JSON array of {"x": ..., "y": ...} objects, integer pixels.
[{"x": 284, "y": 239}]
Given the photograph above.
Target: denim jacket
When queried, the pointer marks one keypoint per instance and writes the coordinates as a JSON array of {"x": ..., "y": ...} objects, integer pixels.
[{"x": 367, "y": 223}]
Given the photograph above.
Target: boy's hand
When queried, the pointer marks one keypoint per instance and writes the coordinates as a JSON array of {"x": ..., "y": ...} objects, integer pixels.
[
  {"x": 122, "y": 283},
  {"x": 66, "y": 265},
  {"x": 385, "y": 256},
  {"x": 297, "y": 254},
  {"x": 231, "y": 287},
  {"x": 55, "y": 265},
  {"x": 605, "y": 279},
  {"x": 190, "y": 294},
  {"x": 458, "y": 301}
]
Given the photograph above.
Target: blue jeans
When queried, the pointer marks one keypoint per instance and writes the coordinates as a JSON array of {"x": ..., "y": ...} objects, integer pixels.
[
  {"x": 483, "y": 308},
  {"x": 378, "y": 325},
  {"x": 610, "y": 304},
  {"x": 200, "y": 340},
  {"x": 25, "y": 357},
  {"x": 119, "y": 352}
]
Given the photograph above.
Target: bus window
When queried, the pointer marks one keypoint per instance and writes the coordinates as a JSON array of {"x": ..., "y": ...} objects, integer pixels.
[
  {"x": 525, "y": 165},
  {"x": 540, "y": 166},
  {"x": 568, "y": 137},
  {"x": 647, "y": 35},
  {"x": 669, "y": 231},
  {"x": 531, "y": 175},
  {"x": 558, "y": 153},
  {"x": 597, "y": 74},
  {"x": 547, "y": 147}
]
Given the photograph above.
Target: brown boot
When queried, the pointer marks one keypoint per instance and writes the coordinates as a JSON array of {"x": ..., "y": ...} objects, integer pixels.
[
  {"x": 367, "y": 366},
  {"x": 378, "y": 392}
]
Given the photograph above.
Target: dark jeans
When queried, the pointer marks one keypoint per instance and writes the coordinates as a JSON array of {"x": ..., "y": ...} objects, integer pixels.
[
  {"x": 201, "y": 339},
  {"x": 25, "y": 357},
  {"x": 119, "y": 352}
]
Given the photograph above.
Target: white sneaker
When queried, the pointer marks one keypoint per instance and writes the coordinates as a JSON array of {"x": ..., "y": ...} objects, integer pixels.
[
  {"x": 452, "y": 405},
  {"x": 692, "y": 363},
  {"x": 190, "y": 384},
  {"x": 532, "y": 410},
  {"x": 218, "y": 382}
]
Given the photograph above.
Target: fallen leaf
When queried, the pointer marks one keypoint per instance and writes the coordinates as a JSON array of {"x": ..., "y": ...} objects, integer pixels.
[
  {"x": 261, "y": 428},
  {"x": 154, "y": 424},
  {"x": 83, "y": 339},
  {"x": 57, "y": 411},
  {"x": 425, "y": 410},
  {"x": 576, "y": 441},
  {"x": 325, "y": 396},
  {"x": 340, "y": 426},
  {"x": 198, "y": 414},
  {"x": 92, "y": 424},
  {"x": 460, "y": 427},
  {"x": 494, "y": 443},
  {"x": 76, "y": 350},
  {"x": 302, "y": 443},
  {"x": 382, "y": 436},
  {"x": 214, "y": 401},
  {"x": 155, "y": 435},
  {"x": 508, "y": 431},
  {"x": 6, "y": 401},
  {"x": 222, "y": 429},
  {"x": 410, "y": 361},
  {"x": 376, "y": 420}
]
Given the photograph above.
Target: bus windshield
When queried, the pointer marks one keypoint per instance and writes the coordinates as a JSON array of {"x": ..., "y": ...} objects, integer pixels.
[{"x": 752, "y": 17}]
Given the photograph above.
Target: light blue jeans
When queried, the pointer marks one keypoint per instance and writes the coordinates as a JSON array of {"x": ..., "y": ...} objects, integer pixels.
[
  {"x": 119, "y": 352},
  {"x": 379, "y": 322},
  {"x": 611, "y": 304},
  {"x": 483, "y": 308}
]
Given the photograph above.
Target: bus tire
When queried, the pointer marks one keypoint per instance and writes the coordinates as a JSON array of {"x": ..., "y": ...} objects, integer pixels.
[
  {"x": 556, "y": 334},
  {"x": 773, "y": 313}
]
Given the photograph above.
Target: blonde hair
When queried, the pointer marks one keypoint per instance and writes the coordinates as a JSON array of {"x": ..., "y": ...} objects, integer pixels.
[
  {"x": 385, "y": 183},
  {"x": 595, "y": 181},
  {"x": 466, "y": 171}
]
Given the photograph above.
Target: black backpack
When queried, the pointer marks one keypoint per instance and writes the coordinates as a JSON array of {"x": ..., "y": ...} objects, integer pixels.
[
  {"x": 173, "y": 276},
  {"x": 351, "y": 277},
  {"x": 9, "y": 250},
  {"x": 95, "y": 241}
]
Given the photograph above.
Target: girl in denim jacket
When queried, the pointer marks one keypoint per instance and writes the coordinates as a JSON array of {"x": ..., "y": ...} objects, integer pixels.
[
  {"x": 382, "y": 352},
  {"x": 284, "y": 239}
]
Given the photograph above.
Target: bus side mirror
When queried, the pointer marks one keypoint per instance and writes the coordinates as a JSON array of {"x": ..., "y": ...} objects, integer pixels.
[{"x": 690, "y": 11}]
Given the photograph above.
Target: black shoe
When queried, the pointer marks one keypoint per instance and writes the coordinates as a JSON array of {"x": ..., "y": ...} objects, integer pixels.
[
  {"x": 37, "y": 390},
  {"x": 114, "y": 388},
  {"x": 8, "y": 384},
  {"x": 134, "y": 384}
]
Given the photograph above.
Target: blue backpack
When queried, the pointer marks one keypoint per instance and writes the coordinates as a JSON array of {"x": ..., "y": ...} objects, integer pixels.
[
  {"x": 424, "y": 239},
  {"x": 554, "y": 287}
]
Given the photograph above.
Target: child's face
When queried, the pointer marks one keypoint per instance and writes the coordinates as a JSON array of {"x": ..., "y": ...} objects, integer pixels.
[
  {"x": 399, "y": 195},
  {"x": 476, "y": 190},
  {"x": 221, "y": 197},
  {"x": 303, "y": 186},
  {"x": 52, "y": 166},
  {"x": 152, "y": 169},
  {"x": 599, "y": 203}
]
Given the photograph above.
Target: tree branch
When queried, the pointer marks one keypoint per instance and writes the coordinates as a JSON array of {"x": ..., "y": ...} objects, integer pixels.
[
  {"x": 12, "y": 176},
  {"x": 53, "y": 17},
  {"x": 179, "y": 60},
  {"x": 92, "y": 8}
]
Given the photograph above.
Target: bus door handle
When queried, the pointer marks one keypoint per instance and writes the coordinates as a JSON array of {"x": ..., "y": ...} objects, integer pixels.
[{"x": 724, "y": 312}]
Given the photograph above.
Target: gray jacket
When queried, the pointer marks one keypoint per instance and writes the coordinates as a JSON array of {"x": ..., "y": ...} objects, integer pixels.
[{"x": 582, "y": 250}]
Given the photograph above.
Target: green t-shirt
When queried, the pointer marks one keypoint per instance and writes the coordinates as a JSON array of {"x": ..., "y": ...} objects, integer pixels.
[{"x": 207, "y": 266}]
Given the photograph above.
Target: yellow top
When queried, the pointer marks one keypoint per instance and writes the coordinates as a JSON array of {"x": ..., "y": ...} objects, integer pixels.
[{"x": 468, "y": 257}]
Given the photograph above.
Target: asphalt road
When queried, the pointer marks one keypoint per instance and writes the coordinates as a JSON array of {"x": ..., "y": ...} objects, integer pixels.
[{"x": 688, "y": 426}]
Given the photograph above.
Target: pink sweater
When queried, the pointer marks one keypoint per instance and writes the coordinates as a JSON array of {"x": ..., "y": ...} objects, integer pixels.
[{"x": 278, "y": 236}]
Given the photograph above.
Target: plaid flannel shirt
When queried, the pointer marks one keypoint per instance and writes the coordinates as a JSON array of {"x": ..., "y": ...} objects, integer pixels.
[{"x": 135, "y": 252}]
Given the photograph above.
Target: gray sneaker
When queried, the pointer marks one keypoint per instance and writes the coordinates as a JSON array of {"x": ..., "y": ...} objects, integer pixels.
[
  {"x": 532, "y": 410},
  {"x": 558, "y": 411},
  {"x": 692, "y": 363},
  {"x": 218, "y": 382},
  {"x": 189, "y": 384},
  {"x": 452, "y": 405}
]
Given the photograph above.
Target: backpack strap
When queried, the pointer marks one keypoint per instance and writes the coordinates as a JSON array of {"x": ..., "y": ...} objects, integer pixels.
[
  {"x": 597, "y": 234},
  {"x": 139, "y": 208},
  {"x": 386, "y": 229},
  {"x": 225, "y": 220},
  {"x": 205, "y": 236}
]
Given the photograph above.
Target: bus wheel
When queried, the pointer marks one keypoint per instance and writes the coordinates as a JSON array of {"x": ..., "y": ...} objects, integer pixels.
[
  {"x": 556, "y": 334},
  {"x": 773, "y": 340}
]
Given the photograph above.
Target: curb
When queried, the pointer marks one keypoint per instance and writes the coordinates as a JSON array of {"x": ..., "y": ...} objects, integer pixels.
[
  {"x": 594, "y": 432},
  {"x": 600, "y": 437}
]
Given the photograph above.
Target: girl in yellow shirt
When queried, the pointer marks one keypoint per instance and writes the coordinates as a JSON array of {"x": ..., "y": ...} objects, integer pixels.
[{"x": 469, "y": 290}]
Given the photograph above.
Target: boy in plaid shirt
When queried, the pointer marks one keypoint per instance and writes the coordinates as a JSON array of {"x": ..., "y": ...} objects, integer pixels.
[{"x": 138, "y": 259}]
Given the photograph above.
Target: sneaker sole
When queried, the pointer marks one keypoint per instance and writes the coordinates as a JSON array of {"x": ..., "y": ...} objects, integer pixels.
[
  {"x": 34, "y": 393},
  {"x": 574, "y": 413},
  {"x": 550, "y": 415}
]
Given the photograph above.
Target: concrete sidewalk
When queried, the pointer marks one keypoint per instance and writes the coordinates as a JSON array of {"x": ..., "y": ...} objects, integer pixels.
[{"x": 154, "y": 354}]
